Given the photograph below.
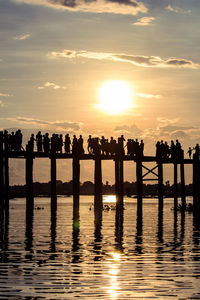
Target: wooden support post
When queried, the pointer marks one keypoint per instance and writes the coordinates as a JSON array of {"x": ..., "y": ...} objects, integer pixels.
[
  {"x": 53, "y": 176},
  {"x": 117, "y": 177},
  {"x": 76, "y": 175},
  {"x": 6, "y": 175},
  {"x": 97, "y": 176},
  {"x": 160, "y": 225},
  {"x": 98, "y": 205},
  {"x": 29, "y": 226},
  {"x": 1, "y": 174},
  {"x": 121, "y": 177},
  {"x": 53, "y": 226},
  {"x": 175, "y": 186},
  {"x": 196, "y": 182},
  {"x": 160, "y": 185},
  {"x": 75, "y": 229},
  {"x": 139, "y": 184},
  {"x": 183, "y": 185},
  {"x": 29, "y": 182}
]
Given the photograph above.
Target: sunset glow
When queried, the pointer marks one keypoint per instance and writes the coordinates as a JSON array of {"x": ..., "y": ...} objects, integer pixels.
[{"x": 115, "y": 97}]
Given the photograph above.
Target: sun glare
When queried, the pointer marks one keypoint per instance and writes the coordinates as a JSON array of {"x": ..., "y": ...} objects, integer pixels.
[{"x": 115, "y": 97}]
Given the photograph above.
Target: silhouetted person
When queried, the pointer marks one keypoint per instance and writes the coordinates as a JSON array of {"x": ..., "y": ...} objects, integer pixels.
[
  {"x": 103, "y": 145},
  {"x": 89, "y": 147},
  {"x": 30, "y": 145},
  {"x": 12, "y": 141},
  {"x": 96, "y": 147},
  {"x": 80, "y": 145},
  {"x": 39, "y": 141},
  {"x": 75, "y": 145},
  {"x": 60, "y": 143},
  {"x": 121, "y": 140},
  {"x": 190, "y": 152},
  {"x": 112, "y": 146},
  {"x": 166, "y": 150},
  {"x": 67, "y": 143},
  {"x": 106, "y": 146},
  {"x": 142, "y": 148},
  {"x": 178, "y": 149},
  {"x": 46, "y": 143},
  {"x": 53, "y": 143},
  {"x": 173, "y": 150},
  {"x": 128, "y": 145}
]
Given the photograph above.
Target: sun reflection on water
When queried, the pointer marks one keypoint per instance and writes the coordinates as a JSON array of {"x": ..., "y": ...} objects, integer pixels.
[
  {"x": 109, "y": 199},
  {"x": 114, "y": 264}
]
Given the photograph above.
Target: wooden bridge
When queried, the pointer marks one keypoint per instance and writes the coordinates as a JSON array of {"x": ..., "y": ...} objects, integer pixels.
[{"x": 141, "y": 173}]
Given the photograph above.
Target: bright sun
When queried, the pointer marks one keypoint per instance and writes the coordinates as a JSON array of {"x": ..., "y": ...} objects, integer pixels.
[{"x": 115, "y": 97}]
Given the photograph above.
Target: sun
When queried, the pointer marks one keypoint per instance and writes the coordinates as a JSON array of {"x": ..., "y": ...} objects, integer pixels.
[{"x": 116, "y": 97}]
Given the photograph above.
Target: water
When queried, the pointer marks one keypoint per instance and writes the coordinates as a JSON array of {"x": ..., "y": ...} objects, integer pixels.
[{"x": 57, "y": 255}]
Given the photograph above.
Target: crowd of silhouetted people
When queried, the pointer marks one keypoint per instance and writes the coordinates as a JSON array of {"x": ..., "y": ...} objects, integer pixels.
[
  {"x": 58, "y": 143},
  {"x": 13, "y": 140},
  {"x": 164, "y": 151},
  {"x": 135, "y": 148},
  {"x": 104, "y": 146}
]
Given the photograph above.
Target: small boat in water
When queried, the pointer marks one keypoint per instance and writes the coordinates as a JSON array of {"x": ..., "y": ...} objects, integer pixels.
[
  {"x": 189, "y": 207},
  {"x": 107, "y": 207}
]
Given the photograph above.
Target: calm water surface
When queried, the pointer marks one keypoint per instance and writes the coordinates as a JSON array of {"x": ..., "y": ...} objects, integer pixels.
[{"x": 56, "y": 254}]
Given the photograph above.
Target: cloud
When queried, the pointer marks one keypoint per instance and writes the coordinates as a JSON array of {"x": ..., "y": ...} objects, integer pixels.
[
  {"x": 124, "y": 129},
  {"x": 62, "y": 125},
  {"x": 148, "y": 96},
  {"x": 126, "y": 7},
  {"x": 145, "y": 21},
  {"x": 51, "y": 85},
  {"x": 138, "y": 60},
  {"x": 177, "y": 10},
  {"x": 2, "y": 103},
  {"x": 179, "y": 134},
  {"x": 22, "y": 37},
  {"x": 5, "y": 95}
]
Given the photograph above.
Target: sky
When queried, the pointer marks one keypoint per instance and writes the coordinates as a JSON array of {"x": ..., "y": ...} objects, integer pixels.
[{"x": 55, "y": 55}]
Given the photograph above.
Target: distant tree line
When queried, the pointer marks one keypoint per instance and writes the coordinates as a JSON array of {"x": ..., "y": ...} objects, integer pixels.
[{"x": 87, "y": 188}]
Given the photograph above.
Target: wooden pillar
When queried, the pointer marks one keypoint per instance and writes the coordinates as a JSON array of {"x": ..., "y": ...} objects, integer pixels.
[
  {"x": 6, "y": 175},
  {"x": 196, "y": 181},
  {"x": 1, "y": 172},
  {"x": 97, "y": 176},
  {"x": 76, "y": 175},
  {"x": 29, "y": 226},
  {"x": 160, "y": 185},
  {"x": 117, "y": 177},
  {"x": 53, "y": 226},
  {"x": 98, "y": 205},
  {"x": 139, "y": 185},
  {"x": 53, "y": 177},
  {"x": 121, "y": 177},
  {"x": 182, "y": 185},
  {"x": 29, "y": 176},
  {"x": 175, "y": 186}
]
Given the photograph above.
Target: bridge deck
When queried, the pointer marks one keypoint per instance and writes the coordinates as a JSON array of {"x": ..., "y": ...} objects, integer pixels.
[{"x": 24, "y": 154}]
